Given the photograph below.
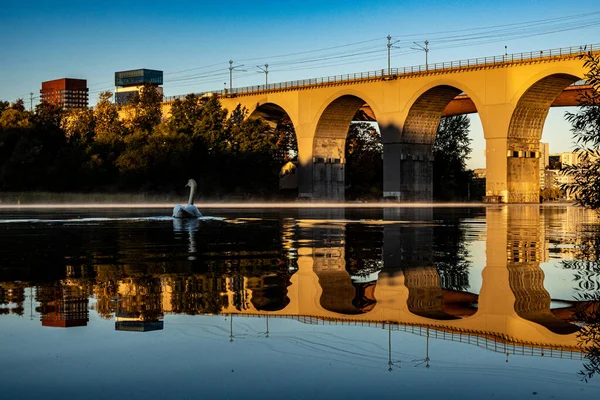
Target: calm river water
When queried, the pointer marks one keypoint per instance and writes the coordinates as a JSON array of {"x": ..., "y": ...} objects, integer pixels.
[{"x": 453, "y": 303}]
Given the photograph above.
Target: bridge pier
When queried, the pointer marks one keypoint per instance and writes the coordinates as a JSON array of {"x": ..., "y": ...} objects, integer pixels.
[
  {"x": 321, "y": 169},
  {"x": 513, "y": 169},
  {"x": 408, "y": 172}
]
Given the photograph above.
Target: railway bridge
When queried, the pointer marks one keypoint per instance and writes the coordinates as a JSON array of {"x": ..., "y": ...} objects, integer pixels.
[{"x": 512, "y": 94}]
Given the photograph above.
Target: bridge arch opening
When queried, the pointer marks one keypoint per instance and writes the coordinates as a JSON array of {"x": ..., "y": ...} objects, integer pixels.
[
  {"x": 411, "y": 169},
  {"x": 270, "y": 291},
  {"x": 525, "y": 156},
  {"x": 347, "y": 151},
  {"x": 286, "y": 143}
]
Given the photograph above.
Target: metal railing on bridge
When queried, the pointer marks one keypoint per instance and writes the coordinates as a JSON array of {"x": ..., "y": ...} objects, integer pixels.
[
  {"x": 487, "y": 341},
  {"x": 393, "y": 73}
]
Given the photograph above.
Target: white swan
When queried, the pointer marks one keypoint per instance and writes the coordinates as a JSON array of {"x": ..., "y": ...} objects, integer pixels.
[{"x": 189, "y": 211}]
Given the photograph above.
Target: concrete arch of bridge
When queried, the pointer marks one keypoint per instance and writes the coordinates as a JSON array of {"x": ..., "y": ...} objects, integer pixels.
[
  {"x": 328, "y": 146},
  {"x": 408, "y": 155},
  {"x": 437, "y": 91},
  {"x": 525, "y": 132},
  {"x": 345, "y": 93},
  {"x": 531, "y": 109},
  {"x": 575, "y": 71},
  {"x": 271, "y": 111}
]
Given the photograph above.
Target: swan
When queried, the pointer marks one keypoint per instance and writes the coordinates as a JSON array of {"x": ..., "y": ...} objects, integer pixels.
[{"x": 189, "y": 211}]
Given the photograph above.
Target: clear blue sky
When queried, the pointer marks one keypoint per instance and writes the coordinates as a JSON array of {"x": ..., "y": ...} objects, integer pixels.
[{"x": 192, "y": 41}]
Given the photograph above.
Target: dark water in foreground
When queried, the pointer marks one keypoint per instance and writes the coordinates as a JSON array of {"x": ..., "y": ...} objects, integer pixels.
[{"x": 460, "y": 303}]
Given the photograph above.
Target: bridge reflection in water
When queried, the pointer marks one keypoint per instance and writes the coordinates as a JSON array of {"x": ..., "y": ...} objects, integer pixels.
[
  {"x": 406, "y": 271},
  {"x": 398, "y": 284}
]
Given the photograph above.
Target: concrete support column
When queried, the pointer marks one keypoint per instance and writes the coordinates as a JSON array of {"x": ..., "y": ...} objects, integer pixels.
[
  {"x": 523, "y": 171},
  {"x": 305, "y": 163},
  {"x": 321, "y": 168},
  {"x": 496, "y": 299},
  {"x": 512, "y": 170},
  {"x": 496, "y": 178},
  {"x": 408, "y": 172}
]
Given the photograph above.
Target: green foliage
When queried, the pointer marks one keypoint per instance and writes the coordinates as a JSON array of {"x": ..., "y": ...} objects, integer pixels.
[
  {"x": 145, "y": 109},
  {"x": 551, "y": 194},
  {"x": 14, "y": 119},
  {"x": 586, "y": 313},
  {"x": 286, "y": 145},
  {"x": 47, "y": 116},
  {"x": 3, "y": 106},
  {"x": 364, "y": 162},
  {"x": 107, "y": 149},
  {"x": 585, "y": 126},
  {"x": 451, "y": 257},
  {"x": 14, "y": 116},
  {"x": 451, "y": 149}
]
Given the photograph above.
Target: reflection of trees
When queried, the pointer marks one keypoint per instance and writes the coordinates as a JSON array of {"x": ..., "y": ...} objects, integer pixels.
[
  {"x": 586, "y": 312},
  {"x": 364, "y": 259},
  {"x": 106, "y": 289},
  {"x": 12, "y": 293},
  {"x": 363, "y": 249},
  {"x": 141, "y": 296},
  {"x": 198, "y": 294},
  {"x": 450, "y": 256},
  {"x": 257, "y": 259}
]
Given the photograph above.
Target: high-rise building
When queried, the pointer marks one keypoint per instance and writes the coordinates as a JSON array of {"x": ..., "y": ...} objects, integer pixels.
[
  {"x": 127, "y": 83},
  {"x": 66, "y": 92}
]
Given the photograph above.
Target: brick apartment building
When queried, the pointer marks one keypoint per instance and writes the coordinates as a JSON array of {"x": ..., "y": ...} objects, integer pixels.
[{"x": 66, "y": 92}]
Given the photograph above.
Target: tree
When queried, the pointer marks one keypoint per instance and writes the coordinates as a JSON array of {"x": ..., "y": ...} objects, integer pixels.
[
  {"x": 551, "y": 194},
  {"x": 586, "y": 312},
  {"x": 108, "y": 128},
  {"x": 286, "y": 145},
  {"x": 585, "y": 126},
  {"x": 451, "y": 149},
  {"x": 14, "y": 116},
  {"x": 79, "y": 124},
  {"x": 14, "y": 119},
  {"x": 3, "y": 106},
  {"x": 209, "y": 129},
  {"x": 185, "y": 113},
  {"x": 364, "y": 163},
  {"x": 48, "y": 116},
  {"x": 145, "y": 109}
]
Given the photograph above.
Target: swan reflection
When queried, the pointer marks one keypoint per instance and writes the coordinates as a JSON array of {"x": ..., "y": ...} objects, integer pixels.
[{"x": 191, "y": 227}]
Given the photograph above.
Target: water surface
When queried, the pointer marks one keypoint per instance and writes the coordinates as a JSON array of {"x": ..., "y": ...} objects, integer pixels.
[{"x": 446, "y": 302}]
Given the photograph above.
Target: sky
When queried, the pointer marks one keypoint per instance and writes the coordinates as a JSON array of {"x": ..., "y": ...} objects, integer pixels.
[{"x": 192, "y": 41}]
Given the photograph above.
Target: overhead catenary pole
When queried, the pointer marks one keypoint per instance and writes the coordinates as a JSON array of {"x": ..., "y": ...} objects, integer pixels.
[
  {"x": 266, "y": 71},
  {"x": 426, "y": 54},
  {"x": 30, "y": 101},
  {"x": 230, "y": 75},
  {"x": 231, "y": 68},
  {"x": 426, "y": 50},
  {"x": 389, "y": 47}
]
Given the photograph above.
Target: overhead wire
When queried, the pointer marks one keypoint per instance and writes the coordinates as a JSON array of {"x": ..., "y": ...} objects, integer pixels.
[{"x": 366, "y": 50}]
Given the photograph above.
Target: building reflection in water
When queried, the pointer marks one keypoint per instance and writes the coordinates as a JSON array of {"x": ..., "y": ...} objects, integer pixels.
[
  {"x": 139, "y": 305},
  {"x": 64, "y": 305}
]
